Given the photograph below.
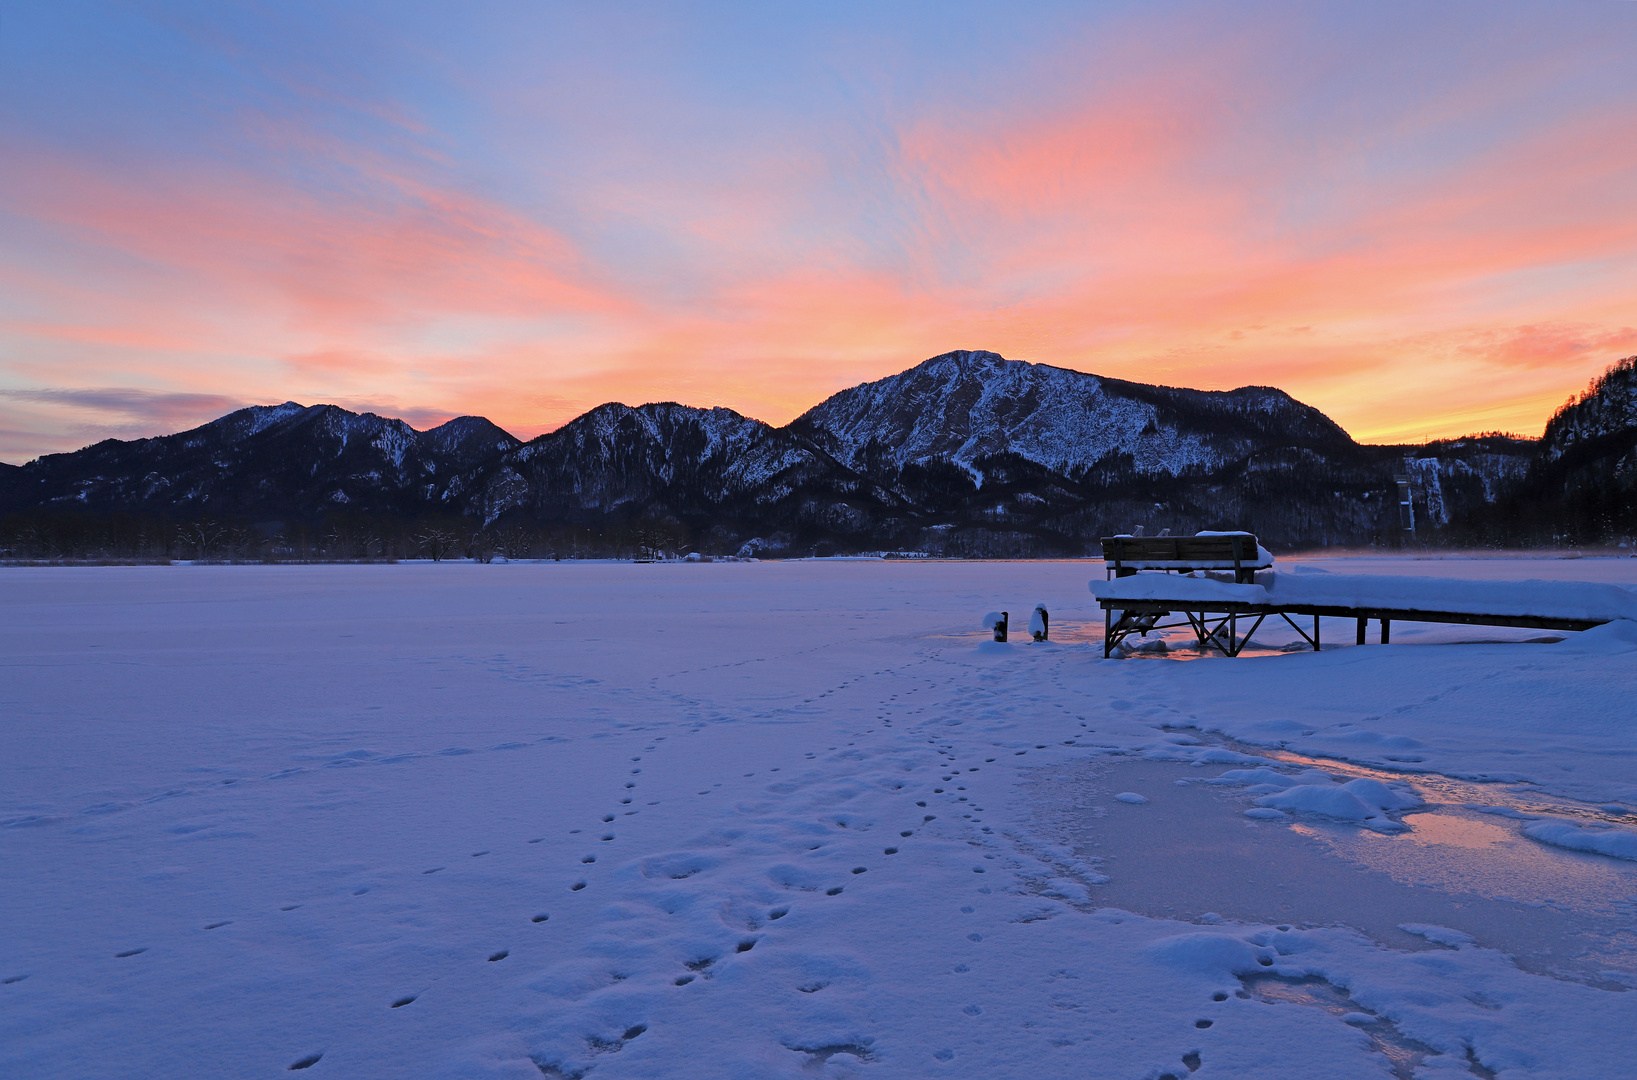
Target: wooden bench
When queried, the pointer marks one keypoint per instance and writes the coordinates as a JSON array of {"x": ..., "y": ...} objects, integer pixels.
[{"x": 1239, "y": 552}]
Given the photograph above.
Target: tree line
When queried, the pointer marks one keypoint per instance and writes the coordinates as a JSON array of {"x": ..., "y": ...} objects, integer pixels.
[{"x": 68, "y": 537}]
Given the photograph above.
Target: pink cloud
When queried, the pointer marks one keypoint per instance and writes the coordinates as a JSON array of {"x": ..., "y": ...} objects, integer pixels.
[{"x": 1150, "y": 226}]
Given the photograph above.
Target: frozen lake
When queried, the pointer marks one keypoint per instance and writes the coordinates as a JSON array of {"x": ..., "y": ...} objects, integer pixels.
[{"x": 795, "y": 819}]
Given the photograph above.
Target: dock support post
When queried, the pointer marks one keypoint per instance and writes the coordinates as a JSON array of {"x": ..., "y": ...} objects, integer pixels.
[
  {"x": 1386, "y": 630},
  {"x": 1315, "y": 633},
  {"x": 1362, "y": 620},
  {"x": 1233, "y": 634}
]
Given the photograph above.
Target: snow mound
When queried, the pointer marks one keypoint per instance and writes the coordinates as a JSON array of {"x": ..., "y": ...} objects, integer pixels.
[
  {"x": 1131, "y": 797},
  {"x": 1611, "y": 638},
  {"x": 1613, "y": 842},
  {"x": 1363, "y": 800},
  {"x": 1208, "y": 954}
]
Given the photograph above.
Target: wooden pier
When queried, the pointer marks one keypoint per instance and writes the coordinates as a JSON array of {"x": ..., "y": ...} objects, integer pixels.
[{"x": 1215, "y": 621}]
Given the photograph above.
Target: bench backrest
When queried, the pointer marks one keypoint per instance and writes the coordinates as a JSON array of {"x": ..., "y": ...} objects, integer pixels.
[{"x": 1127, "y": 554}]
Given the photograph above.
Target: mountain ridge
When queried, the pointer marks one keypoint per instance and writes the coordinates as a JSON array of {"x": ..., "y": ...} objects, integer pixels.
[{"x": 966, "y": 452}]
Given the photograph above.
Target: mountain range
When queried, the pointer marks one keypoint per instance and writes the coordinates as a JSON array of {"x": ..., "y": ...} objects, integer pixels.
[{"x": 966, "y": 453}]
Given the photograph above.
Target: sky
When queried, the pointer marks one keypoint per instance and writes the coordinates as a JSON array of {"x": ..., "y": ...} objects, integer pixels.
[{"x": 1420, "y": 218}]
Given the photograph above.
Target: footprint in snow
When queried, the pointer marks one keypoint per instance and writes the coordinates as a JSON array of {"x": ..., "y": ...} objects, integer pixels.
[{"x": 306, "y": 1063}]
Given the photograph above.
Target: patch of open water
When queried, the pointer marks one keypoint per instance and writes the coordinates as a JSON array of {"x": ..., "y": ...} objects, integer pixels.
[{"x": 1190, "y": 851}]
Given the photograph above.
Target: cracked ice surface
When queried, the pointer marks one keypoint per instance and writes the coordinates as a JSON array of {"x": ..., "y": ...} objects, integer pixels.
[{"x": 760, "y": 820}]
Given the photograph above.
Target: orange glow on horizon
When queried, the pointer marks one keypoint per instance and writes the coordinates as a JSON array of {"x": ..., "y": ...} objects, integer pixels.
[{"x": 1179, "y": 211}]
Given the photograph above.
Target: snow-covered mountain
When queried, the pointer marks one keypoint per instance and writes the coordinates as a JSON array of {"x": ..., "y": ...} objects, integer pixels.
[
  {"x": 967, "y": 452},
  {"x": 1599, "y": 423},
  {"x": 657, "y": 459},
  {"x": 265, "y": 462},
  {"x": 1581, "y": 485},
  {"x": 962, "y": 407}
]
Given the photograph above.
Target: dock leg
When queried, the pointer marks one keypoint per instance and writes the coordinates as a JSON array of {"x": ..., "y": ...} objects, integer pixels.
[
  {"x": 1361, "y": 623},
  {"x": 1233, "y": 634},
  {"x": 1386, "y": 630},
  {"x": 1108, "y": 629},
  {"x": 1315, "y": 633}
]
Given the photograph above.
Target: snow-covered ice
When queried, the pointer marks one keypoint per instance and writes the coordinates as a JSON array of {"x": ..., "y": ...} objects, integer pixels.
[
  {"x": 793, "y": 819},
  {"x": 1606, "y": 841}
]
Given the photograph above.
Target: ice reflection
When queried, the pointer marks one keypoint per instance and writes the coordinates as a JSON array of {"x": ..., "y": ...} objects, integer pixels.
[
  {"x": 1453, "y": 850},
  {"x": 1190, "y": 850},
  {"x": 1521, "y": 799},
  {"x": 1456, "y": 831}
]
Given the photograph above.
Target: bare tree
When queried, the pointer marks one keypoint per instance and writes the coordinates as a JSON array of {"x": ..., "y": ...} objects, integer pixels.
[
  {"x": 436, "y": 541},
  {"x": 481, "y": 546},
  {"x": 204, "y": 537}
]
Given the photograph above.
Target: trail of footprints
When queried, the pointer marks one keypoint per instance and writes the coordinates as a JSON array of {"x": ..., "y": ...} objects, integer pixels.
[{"x": 701, "y": 967}]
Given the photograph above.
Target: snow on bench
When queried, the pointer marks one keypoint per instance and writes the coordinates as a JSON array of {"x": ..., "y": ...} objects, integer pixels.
[{"x": 1236, "y": 551}]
